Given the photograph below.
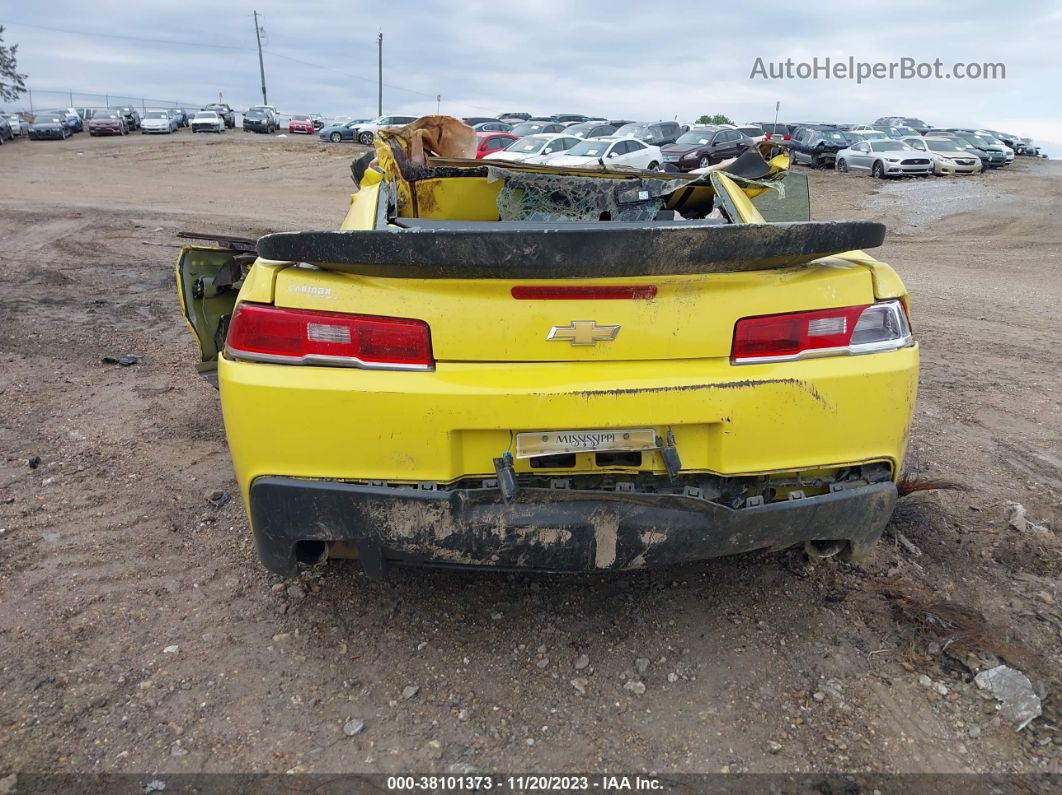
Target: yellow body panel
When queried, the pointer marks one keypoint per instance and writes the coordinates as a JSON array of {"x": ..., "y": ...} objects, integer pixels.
[{"x": 319, "y": 422}]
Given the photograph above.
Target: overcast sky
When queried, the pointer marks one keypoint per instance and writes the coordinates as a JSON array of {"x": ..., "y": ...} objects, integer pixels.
[{"x": 619, "y": 59}]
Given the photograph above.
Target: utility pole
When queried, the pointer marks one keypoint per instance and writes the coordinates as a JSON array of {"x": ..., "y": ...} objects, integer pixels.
[
  {"x": 261, "y": 63},
  {"x": 379, "y": 72}
]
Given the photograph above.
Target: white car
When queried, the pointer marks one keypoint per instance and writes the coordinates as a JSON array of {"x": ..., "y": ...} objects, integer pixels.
[
  {"x": 365, "y": 133},
  {"x": 536, "y": 148},
  {"x": 207, "y": 121},
  {"x": 948, "y": 156},
  {"x": 753, "y": 131},
  {"x": 613, "y": 153},
  {"x": 885, "y": 158},
  {"x": 158, "y": 121}
]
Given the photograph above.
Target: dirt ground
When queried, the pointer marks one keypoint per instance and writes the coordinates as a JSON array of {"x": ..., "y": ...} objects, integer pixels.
[{"x": 139, "y": 634}]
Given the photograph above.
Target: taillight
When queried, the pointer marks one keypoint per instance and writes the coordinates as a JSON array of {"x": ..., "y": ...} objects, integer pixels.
[
  {"x": 264, "y": 333},
  {"x": 827, "y": 332}
]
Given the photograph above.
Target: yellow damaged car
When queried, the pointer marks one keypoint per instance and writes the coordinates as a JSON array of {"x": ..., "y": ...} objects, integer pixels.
[{"x": 570, "y": 370}]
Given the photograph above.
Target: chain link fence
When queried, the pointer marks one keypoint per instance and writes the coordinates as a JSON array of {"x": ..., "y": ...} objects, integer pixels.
[{"x": 36, "y": 100}]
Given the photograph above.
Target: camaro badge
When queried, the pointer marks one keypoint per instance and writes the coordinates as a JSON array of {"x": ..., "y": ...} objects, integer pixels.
[{"x": 583, "y": 332}]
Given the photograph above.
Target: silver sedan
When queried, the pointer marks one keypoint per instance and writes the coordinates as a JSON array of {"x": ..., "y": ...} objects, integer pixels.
[{"x": 885, "y": 158}]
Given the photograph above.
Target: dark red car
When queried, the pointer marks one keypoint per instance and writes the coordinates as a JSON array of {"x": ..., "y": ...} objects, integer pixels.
[
  {"x": 301, "y": 124},
  {"x": 108, "y": 122},
  {"x": 493, "y": 142}
]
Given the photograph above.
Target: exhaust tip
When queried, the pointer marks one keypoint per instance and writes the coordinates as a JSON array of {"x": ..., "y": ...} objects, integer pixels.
[
  {"x": 823, "y": 549},
  {"x": 311, "y": 552}
]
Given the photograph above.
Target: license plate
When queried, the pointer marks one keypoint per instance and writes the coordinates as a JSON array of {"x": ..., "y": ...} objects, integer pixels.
[{"x": 529, "y": 445}]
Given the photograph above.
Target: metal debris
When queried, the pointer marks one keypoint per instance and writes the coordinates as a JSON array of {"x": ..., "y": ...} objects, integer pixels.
[{"x": 1018, "y": 701}]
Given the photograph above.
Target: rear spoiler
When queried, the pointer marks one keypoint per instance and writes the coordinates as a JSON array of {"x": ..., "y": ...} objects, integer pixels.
[{"x": 431, "y": 249}]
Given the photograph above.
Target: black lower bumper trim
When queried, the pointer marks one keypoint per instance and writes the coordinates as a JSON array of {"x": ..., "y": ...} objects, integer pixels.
[{"x": 556, "y": 530}]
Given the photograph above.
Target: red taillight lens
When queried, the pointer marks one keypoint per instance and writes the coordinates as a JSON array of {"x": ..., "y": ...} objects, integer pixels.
[
  {"x": 767, "y": 136},
  {"x": 544, "y": 292},
  {"x": 264, "y": 333},
  {"x": 787, "y": 137},
  {"x": 848, "y": 330}
]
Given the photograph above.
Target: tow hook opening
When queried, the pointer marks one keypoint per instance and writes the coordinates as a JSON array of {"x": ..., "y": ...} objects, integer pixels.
[{"x": 823, "y": 549}]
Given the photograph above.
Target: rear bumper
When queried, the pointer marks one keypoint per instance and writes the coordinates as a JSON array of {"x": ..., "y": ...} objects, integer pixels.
[{"x": 544, "y": 529}]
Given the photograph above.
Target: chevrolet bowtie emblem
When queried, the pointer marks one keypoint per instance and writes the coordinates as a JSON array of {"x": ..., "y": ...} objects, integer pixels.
[{"x": 583, "y": 332}]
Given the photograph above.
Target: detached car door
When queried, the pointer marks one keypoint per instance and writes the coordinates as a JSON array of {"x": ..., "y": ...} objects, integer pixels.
[{"x": 208, "y": 280}]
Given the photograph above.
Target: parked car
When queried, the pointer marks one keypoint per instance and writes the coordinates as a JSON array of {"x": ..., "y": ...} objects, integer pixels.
[
  {"x": 988, "y": 142},
  {"x": 1008, "y": 151},
  {"x": 366, "y": 133},
  {"x": 259, "y": 121},
  {"x": 75, "y": 119},
  {"x": 341, "y": 132},
  {"x": 132, "y": 116},
  {"x": 535, "y": 148},
  {"x": 816, "y": 147},
  {"x": 515, "y": 118},
  {"x": 752, "y": 132},
  {"x": 615, "y": 152},
  {"x": 19, "y": 126},
  {"x": 855, "y": 136},
  {"x": 905, "y": 121},
  {"x": 108, "y": 122},
  {"x": 590, "y": 129},
  {"x": 536, "y": 128},
  {"x": 49, "y": 125},
  {"x": 472, "y": 121},
  {"x": 894, "y": 132},
  {"x": 158, "y": 121},
  {"x": 224, "y": 112},
  {"x": 982, "y": 148},
  {"x": 655, "y": 133},
  {"x": 318, "y": 121},
  {"x": 492, "y": 126},
  {"x": 460, "y": 405},
  {"x": 208, "y": 121},
  {"x": 885, "y": 158},
  {"x": 179, "y": 116},
  {"x": 270, "y": 110},
  {"x": 7, "y": 132},
  {"x": 703, "y": 146},
  {"x": 573, "y": 118},
  {"x": 300, "y": 123},
  {"x": 489, "y": 142},
  {"x": 949, "y": 157},
  {"x": 775, "y": 130}
]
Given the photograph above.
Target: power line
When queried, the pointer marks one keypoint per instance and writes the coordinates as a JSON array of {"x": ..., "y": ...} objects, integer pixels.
[
  {"x": 208, "y": 45},
  {"x": 91, "y": 34},
  {"x": 276, "y": 54}
]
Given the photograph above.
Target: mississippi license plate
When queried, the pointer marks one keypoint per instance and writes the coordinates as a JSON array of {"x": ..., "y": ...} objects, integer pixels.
[{"x": 529, "y": 445}]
